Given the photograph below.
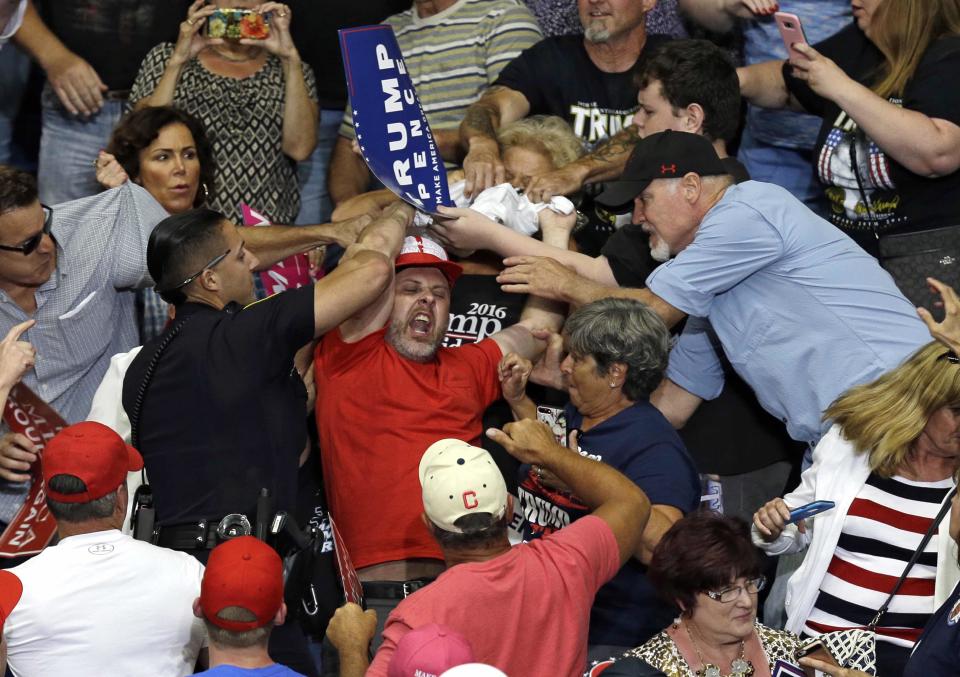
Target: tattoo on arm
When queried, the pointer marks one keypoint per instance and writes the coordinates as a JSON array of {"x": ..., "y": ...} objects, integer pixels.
[
  {"x": 483, "y": 117},
  {"x": 617, "y": 148}
]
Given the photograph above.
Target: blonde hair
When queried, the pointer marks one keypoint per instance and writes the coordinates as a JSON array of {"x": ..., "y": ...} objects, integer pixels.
[
  {"x": 547, "y": 134},
  {"x": 884, "y": 417},
  {"x": 904, "y": 30}
]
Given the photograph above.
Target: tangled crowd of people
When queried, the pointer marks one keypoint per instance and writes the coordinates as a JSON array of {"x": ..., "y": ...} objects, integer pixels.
[{"x": 670, "y": 386}]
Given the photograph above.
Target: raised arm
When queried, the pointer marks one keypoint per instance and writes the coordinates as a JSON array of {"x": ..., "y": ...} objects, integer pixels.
[
  {"x": 348, "y": 176},
  {"x": 720, "y": 16},
  {"x": 74, "y": 81},
  {"x": 190, "y": 42},
  {"x": 478, "y": 135},
  {"x": 608, "y": 493},
  {"x": 360, "y": 283},
  {"x": 299, "y": 110},
  {"x": 925, "y": 145}
]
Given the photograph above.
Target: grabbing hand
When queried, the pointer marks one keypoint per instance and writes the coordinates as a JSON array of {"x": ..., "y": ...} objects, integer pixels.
[
  {"x": 563, "y": 181},
  {"x": 278, "y": 42},
  {"x": 110, "y": 173},
  {"x": 822, "y": 75},
  {"x": 76, "y": 84},
  {"x": 352, "y": 628},
  {"x": 527, "y": 440},
  {"x": 191, "y": 40},
  {"x": 514, "y": 371},
  {"x": 771, "y": 519},
  {"x": 948, "y": 331},
  {"x": 537, "y": 275},
  {"x": 463, "y": 229},
  {"x": 17, "y": 454},
  {"x": 482, "y": 168},
  {"x": 546, "y": 371}
]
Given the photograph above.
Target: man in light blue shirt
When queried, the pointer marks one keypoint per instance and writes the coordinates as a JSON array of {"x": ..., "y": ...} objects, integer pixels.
[{"x": 800, "y": 310}]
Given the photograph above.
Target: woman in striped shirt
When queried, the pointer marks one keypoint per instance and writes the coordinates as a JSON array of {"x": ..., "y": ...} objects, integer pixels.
[{"x": 888, "y": 463}]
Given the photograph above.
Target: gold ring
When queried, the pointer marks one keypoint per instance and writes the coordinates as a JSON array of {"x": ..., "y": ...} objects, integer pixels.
[{"x": 190, "y": 21}]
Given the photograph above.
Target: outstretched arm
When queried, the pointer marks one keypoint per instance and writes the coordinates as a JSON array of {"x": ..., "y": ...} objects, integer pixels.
[
  {"x": 610, "y": 494},
  {"x": 357, "y": 293}
]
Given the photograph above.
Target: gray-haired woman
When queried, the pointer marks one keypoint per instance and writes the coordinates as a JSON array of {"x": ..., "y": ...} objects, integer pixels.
[{"x": 616, "y": 354}]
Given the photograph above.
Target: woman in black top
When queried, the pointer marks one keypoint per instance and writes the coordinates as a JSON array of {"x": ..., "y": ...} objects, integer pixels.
[{"x": 889, "y": 148}]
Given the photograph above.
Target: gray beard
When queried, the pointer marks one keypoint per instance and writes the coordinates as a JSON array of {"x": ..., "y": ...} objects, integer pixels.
[
  {"x": 596, "y": 33},
  {"x": 415, "y": 351}
]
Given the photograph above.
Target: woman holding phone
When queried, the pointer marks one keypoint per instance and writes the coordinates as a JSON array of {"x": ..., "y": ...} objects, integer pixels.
[
  {"x": 889, "y": 146},
  {"x": 255, "y": 98},
  {"x": 888, "y": 463}
]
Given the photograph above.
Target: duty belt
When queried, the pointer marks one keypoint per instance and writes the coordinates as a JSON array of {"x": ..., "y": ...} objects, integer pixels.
[
  {"x": 202, "y": 534},
  {"x": 393, "y": 589}
]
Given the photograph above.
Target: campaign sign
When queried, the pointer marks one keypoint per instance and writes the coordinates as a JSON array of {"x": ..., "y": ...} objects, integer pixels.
[
  {"x": 292, "y": 272},
  {"x": 33, "y": 526},
  {"x": 392, "y": 130}
]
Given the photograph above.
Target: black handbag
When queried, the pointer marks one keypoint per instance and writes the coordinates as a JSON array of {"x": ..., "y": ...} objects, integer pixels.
[{"x": 911, "y": 258}]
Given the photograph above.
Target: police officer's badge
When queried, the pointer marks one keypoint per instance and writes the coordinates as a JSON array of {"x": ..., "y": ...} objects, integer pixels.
[{"x": 954, "y": 614}]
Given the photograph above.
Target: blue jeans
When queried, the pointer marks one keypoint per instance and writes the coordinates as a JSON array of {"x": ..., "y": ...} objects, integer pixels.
[
  {"x": 68, "y": 147},
  {"x": 791, "y": 168},
  {"x": 14, "y": 69},
  {"x": 315, "y": 204}
]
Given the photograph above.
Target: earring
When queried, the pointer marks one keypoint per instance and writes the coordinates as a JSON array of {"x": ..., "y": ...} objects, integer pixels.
[{"x": 206, "y": 192}]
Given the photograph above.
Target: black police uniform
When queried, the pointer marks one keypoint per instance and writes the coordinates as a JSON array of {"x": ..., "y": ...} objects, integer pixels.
[{"x": 224, "y": 416}]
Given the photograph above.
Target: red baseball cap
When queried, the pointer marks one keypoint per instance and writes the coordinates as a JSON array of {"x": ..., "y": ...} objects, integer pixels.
[
  {"x": 93, "y": 453},
  {"x": 425, "y": 253},
  {"x": 243, "y": 572}
]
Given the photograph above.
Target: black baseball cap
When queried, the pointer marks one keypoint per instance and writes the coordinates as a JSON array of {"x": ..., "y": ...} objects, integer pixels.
[{"x": 664, "y": 155}]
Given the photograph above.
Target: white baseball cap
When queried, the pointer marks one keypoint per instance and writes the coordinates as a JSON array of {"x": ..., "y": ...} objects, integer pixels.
[{"x": 460, "y": 479}]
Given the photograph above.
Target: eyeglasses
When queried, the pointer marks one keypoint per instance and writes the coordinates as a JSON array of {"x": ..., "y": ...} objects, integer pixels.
[
  {"x": 210, "y": 264},
  {"x": 727, "y": 595},
  {"x": 950, "y": 357},
  {"x": 29, "y": 246}
]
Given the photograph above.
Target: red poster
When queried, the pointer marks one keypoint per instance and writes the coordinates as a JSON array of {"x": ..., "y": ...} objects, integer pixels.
[
  {"x": 31, "y": 529},
  {"x": 352, "y": 588}
]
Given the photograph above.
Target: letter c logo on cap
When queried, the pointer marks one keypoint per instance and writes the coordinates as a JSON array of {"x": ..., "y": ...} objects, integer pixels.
[{"x": 470, "y": 500}]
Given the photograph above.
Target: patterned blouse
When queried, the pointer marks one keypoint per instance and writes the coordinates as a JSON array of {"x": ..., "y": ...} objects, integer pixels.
[
  {"x": 660, "y": 651},
  {"x": 560, "y": 17},
  {"x": 244, "y": 121}
]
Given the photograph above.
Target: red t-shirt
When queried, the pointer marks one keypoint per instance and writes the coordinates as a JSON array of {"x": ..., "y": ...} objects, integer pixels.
[
  {"x": 525, "y": 612},
  {"x": 377, "y": 412}
]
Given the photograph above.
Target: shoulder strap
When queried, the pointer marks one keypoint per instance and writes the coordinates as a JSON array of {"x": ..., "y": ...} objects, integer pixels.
[
  {"x": 148, "y": 377},
  {"x": 916, "y": 555}
]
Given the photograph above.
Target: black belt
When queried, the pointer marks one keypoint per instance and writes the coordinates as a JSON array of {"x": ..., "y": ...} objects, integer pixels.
[
  {"x": 393, "y": 589},
  {"x": 203, "y": 534}
]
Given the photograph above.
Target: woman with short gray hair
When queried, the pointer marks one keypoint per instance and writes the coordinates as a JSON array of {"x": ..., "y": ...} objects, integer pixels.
[{"x": 616, "y": 355}]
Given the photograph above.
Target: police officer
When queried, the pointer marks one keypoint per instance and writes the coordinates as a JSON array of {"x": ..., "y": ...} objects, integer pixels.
[{"x": 216, "y": 404}]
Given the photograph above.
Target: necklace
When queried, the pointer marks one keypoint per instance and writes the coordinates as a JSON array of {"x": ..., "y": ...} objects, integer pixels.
[{"x": 739, "y": 667}]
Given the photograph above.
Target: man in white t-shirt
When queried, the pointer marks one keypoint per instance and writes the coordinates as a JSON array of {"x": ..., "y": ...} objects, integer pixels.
[{"x": 98, "y": 602}]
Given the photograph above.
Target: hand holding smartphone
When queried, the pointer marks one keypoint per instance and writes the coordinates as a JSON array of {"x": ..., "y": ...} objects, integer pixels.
[
  {"x": 809, "y": 510},
  {"x": 237, "y": 24},
  {"x": 791, "y": 30}
]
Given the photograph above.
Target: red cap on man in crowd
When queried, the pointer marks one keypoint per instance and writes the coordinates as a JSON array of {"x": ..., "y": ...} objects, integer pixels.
[
  {"x": 244, "y": 572},
  {"x": 93, "y": 453},
  {"x": 423, "y": 252}
]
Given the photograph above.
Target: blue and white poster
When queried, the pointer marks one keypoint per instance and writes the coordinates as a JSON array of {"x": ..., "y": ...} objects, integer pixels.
[{"x": 392, "y": 130}]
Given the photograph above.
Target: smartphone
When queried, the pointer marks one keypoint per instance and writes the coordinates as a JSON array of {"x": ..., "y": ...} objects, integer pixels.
[
  {"x": 791, "y": 30},
  {"x": 814, "y": 648},
  {"x": 809, "y": 510},
  {"x": 236, "y": 24}
]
